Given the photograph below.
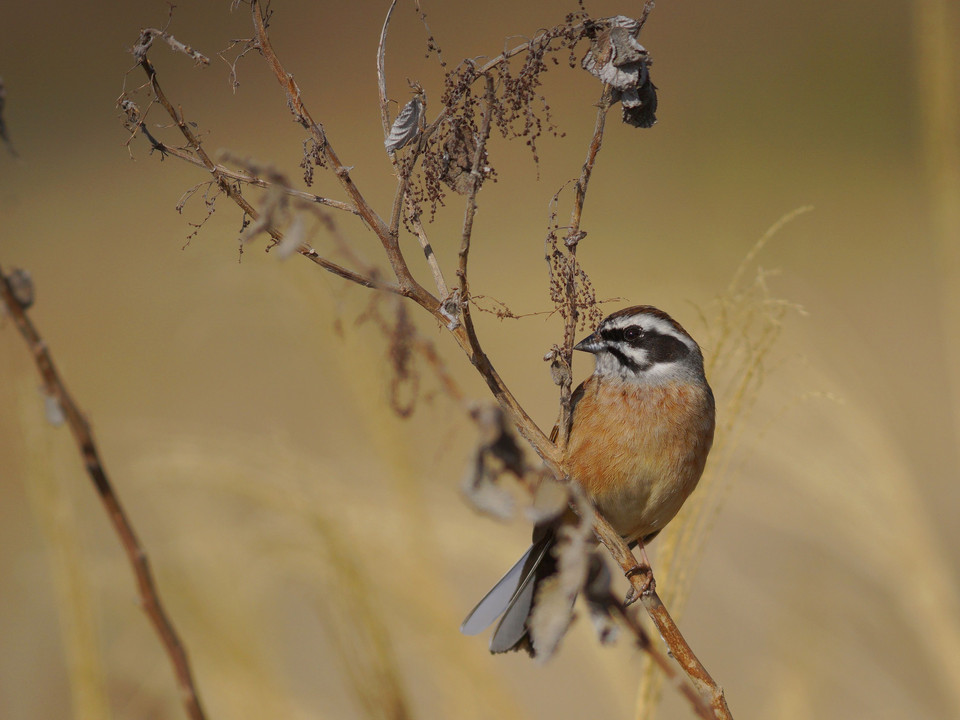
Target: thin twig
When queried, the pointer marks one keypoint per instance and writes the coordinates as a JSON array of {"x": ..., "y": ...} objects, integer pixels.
[
  {"x": 222, "y": 180},
  {"x": 470, "y": 209},
  {"x": 149, "y": 595},
  {"x": 248, "y": 179},
  {"x": 390, "y": 243},
  {"x": 381, "y": 72},
  {"x": 466, "y": 335},
  {"x": 302, "y": 115},
  {"x": 403, "y": 181},
  {"x": 428, "y": 252},
  {"x": 572, "y": 241},
  {"x": 585, "y": 173},
  {"x": 684, "y": 655},
  {"x": 642, "y": 586}
]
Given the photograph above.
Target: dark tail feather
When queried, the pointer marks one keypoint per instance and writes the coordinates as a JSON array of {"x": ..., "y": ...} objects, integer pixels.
[
  {"x": 513, "y": 597},
  {"x": 512, "y": 632}
]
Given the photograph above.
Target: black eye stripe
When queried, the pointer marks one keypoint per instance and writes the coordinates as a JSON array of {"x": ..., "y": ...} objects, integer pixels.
[
  {"x": 619, "y": 335},
  {"x": 666, "y": 348},
  {"x": 660, "y": 347},
  {"x": 631, "y": 335}
]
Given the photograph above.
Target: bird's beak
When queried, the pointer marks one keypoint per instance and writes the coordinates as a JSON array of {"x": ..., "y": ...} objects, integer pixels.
[{"x": 591, "y": 344}]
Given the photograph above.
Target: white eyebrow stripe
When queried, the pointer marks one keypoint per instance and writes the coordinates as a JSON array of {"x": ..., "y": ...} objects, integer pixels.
[{"x": 648, "y": 322}]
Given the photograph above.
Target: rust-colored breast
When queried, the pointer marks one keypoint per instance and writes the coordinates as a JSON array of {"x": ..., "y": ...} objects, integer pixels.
[{"x": 639, "y": 450}]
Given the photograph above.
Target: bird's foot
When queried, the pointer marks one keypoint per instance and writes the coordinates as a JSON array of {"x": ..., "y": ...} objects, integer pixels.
[{"x": 646, "y": 585}]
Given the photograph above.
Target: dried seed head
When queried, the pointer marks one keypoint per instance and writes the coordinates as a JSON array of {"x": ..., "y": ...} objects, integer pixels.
[{"x": 457, "y": 161}]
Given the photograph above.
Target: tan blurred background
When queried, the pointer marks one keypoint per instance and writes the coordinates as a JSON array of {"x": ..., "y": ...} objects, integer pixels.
[{"x": 312, "y": 548}]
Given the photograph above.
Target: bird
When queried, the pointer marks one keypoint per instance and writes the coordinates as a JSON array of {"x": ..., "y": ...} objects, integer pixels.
[{"x": 641, "y": 428}]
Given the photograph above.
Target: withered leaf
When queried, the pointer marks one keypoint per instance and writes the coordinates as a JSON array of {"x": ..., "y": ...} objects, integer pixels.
[
  {"x": 497, "y": 453},
  {"x": 549, "y": 500},
  {"x": 293, "y": 238},
  {"x": 406, "y": 128},
  {"x": 483, "y": 493},
  {"x": 617, "y": 59},
  {"x": 553, "y": 605},
  {"x": 599, "y": 598}
]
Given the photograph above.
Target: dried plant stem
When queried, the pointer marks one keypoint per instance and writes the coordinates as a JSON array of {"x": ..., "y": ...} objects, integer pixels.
[
  {"x": 428, "y": 253},
  {"x": 466, "y": 334},
  {"x": 641, "y": 581},
  {"x": 403, "y": 178},
  {"x": 935, "y": 27},
  {"x": 484, "y": 70},
  {"x": 470, "y": 206},
  {"x": 572, "y": 241},
  {"x": 694, "y": 669},
  {"x": 409, "y": 285},
  {"x": 248, "y": 179},
  {"x": 302, "y": 115},
  {"x": 149, "y": 596},
  {"x": 231, "y": 191},
  {"x": 382, "y": 74},
  {"x": 643, "y": 641},
  {"x": 587, "y": 171}
]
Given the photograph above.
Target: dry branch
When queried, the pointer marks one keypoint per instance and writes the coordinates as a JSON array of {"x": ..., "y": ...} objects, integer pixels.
[
  {"x": 223, "y": 178},
  {"x": 149, "y": 595},
  {"x": 572, "y": 241}
]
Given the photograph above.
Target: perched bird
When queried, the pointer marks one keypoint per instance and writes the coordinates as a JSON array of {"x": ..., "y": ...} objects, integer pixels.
[{"x": 641, "y": 428}]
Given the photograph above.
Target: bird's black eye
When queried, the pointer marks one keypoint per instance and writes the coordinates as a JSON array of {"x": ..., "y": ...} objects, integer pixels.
[{"x": 633, "y": 333}]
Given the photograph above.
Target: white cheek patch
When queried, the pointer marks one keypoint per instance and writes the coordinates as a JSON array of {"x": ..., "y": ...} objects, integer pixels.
[{"x": 609, "y": 365}]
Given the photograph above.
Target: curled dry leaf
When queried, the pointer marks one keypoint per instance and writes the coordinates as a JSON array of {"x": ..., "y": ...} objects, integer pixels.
[
  {"x": 559, "y": 367},
  {"x": 497, "y": 452},
  {"x": 549, "y": 500},
  {"x": 293, "y": 239},
  {"x": 450, "y": 308},
  {"x": 553, "y": 605},
  {"x": 485, "y": 495},
  {"x": 617, "y": 59},
  {"x": 599, "y": 598},
  {"x": 408, "y": 125},
  {"x": 145, "y": 42}
]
